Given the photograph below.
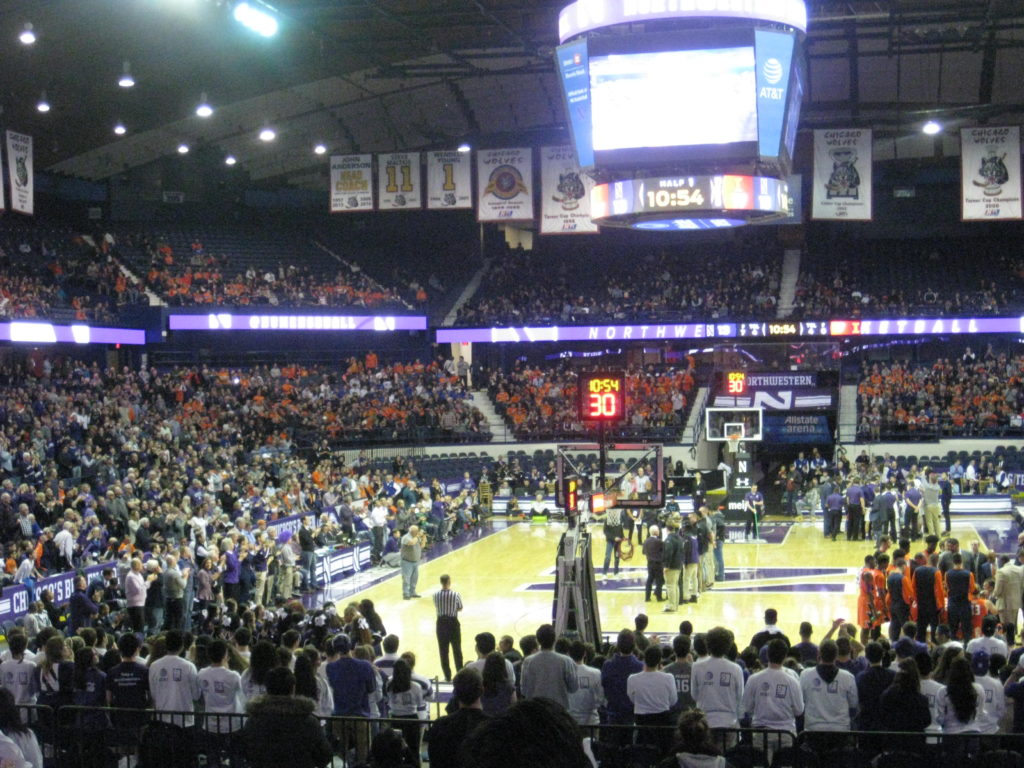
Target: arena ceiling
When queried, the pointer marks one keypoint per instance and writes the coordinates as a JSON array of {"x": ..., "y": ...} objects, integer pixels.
[{"x": 381, "y": 75}]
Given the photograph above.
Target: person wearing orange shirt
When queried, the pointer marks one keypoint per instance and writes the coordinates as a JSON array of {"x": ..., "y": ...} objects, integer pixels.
[{"x": 867, "y": 612}]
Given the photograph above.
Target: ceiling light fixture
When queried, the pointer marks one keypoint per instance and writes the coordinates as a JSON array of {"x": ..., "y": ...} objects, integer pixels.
[
  {"x": 931, "y": 128},
  {"x": 230, "y": 160},
  {"x": 119, "y": 128},
  {"x": 203, "y": 109},
  {"x": 183, "y": 149},
  {"x": 44, "y": 104},
  {"x": 267, "y": 134},
  {"x": 258, "y": 20},
  {"x": 320, "y": 149},
  {"x": 126, "y": 80},
  {"x": 464, "y": 147},
  {"x": 28, "y": 34}
]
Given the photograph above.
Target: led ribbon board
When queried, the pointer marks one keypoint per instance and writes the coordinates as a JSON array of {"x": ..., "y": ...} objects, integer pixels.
[{"x": 225, "y": 321}]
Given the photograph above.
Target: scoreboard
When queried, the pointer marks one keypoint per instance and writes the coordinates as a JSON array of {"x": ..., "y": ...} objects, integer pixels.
[{"x": 602, "y": 397}]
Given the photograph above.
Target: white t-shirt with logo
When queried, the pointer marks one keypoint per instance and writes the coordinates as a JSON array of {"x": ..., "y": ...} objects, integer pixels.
[
  {"x": 174, "y": 686},
  {"x": 774, "y": 699},
  {"x": 222, "y": 694},
  {"x": 19, "y": 678}
]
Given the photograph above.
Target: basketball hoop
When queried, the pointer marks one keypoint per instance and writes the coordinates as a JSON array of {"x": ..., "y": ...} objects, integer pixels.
[{"x": 733, "y": 443}]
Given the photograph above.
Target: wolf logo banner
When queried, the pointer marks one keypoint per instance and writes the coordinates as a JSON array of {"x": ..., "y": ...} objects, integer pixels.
[
  {"x": 565, "y": 193},
  {"x": 842, "y": 175},
  {"x": 19, "y": 169},
  {"x": 504, "y": 180},
  {"x": 990, "y": 182}
]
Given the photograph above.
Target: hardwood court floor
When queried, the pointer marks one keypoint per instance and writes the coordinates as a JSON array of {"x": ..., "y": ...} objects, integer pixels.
[{"x": 506, "y": 579}]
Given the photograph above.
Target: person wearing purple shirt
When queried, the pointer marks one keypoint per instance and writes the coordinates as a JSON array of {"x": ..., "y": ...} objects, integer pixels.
[
  {"x": 834, "y": 513},
  {"x": 232, "y": 570},
  {"x": 854, "y": 512},
  {"x": 913, "y": 498},
  {"x": 614, "y": 674},
  {"x": 352, "y": 681}
]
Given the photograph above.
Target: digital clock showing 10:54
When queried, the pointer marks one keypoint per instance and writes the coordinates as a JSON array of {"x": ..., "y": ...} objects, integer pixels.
[{"x": 602, "y": 397}]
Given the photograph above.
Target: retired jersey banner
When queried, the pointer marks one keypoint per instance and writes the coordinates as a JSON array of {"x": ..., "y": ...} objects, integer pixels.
[
  {"x": 351, "y": 183},
  {"x": 398, "y": 181},
  {"x": 564, "y": 193},
  {"x": 990, "y": 173},
  {"x": 504, "y": 183},
  {"x": 842, "y": 175},
  {"x": 449, "y": 180},
  {"x": 19, "y": 169}
]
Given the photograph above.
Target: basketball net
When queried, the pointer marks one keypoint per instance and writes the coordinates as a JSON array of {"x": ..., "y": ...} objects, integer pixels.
[{"x": 733, "y": 441}]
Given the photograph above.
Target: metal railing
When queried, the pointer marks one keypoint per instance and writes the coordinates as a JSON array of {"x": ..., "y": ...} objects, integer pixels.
[{"x": 95, "y": 737}]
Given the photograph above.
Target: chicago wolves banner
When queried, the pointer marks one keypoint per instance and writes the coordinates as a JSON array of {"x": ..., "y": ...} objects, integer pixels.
[
  {"x": 990, "y": 173},
  {"x": 564, "y": 193},
  {"x": 842, "y": 175},
  {"x": 351, "y": 183},
  {"x": 398, "y": 181},
  {"x": 504, "y": 183},
  {"x": 19, "y": 169},
  {"x": 449, "y": 180}
]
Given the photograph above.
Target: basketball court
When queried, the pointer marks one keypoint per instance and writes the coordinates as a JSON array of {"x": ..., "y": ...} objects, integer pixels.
[{"x": 506, "y": 576}]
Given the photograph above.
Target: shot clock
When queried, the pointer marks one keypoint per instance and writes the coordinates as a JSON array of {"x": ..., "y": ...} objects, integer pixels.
[{"x": 602, "y": 397}]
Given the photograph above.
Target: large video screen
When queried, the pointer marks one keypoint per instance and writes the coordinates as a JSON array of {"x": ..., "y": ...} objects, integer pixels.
[{"x": 673, "y": 98}]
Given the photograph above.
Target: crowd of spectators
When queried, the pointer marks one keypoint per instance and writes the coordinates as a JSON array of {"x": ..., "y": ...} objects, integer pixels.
[
  {"x": 50, "y": 273},
  {"x": 286, "y": 683},
  {"x": 532, "y": 287},
  {"x": 977, "y": 394},
  {"x": 91, "y": 459},
  {"x": 894, "y": 279},
  {"x": 541, "y": 403},
  {"x": 200, "y": 277}
]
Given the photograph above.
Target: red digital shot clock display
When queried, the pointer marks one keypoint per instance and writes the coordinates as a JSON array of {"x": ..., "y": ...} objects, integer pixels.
[
  {"x": 736, "y": 383},
  {"x": 602, "y": 396}
]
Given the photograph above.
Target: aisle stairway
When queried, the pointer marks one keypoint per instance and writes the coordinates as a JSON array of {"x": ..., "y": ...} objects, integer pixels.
[
  {"x": 848, "y": 413},
  {"x": 470, "y": 290},
  {"x": 496, "y": 424},
  {"x": 787, "y": 284}
]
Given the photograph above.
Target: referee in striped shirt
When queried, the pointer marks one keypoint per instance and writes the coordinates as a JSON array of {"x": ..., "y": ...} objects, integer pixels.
[{"x": 448, "y": 603}]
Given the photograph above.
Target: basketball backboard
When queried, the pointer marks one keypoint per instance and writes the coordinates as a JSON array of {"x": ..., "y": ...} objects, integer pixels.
[{"x": 722, "y": 422}]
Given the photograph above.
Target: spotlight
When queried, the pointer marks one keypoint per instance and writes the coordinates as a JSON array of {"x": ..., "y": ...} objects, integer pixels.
[
  {"x": 203, "y": 109},
  {"x": 230, "y": 160},
  {"x": 931, "y": 128},
  {"x": 464, "y": 147},
  {"x": 126, "y": 80},
  {"x": 119, "y": 129},
  {"x": 256, "y": 19},
  {"x": 267, "y": 134},
  {"x": 44, "y": 104},
  {"x": 320, "y": 149},
  {"x": 183, "y": 149},
  {"x": 28, "y": 34}
]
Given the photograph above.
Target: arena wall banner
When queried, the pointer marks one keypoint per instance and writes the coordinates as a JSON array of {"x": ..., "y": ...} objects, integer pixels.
[
  {"x": 842, "y": 175},
  {"x": 351, "y": 183},
  {"x": 19, "y": 169},
  {"x": 796, "y": 428},
  {"x": 564, "y": 193},
  {"x": 398, "y": 181},
  {"x": 504, "y": 183},
  {"x": 449, "y": 180},
  {"x": 990, "y": 180}
]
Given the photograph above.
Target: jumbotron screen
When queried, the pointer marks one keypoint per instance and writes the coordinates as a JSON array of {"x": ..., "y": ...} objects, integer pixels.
[
  {"x": 683, "y": 99},
  {"x": 632, "y": 106}
]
